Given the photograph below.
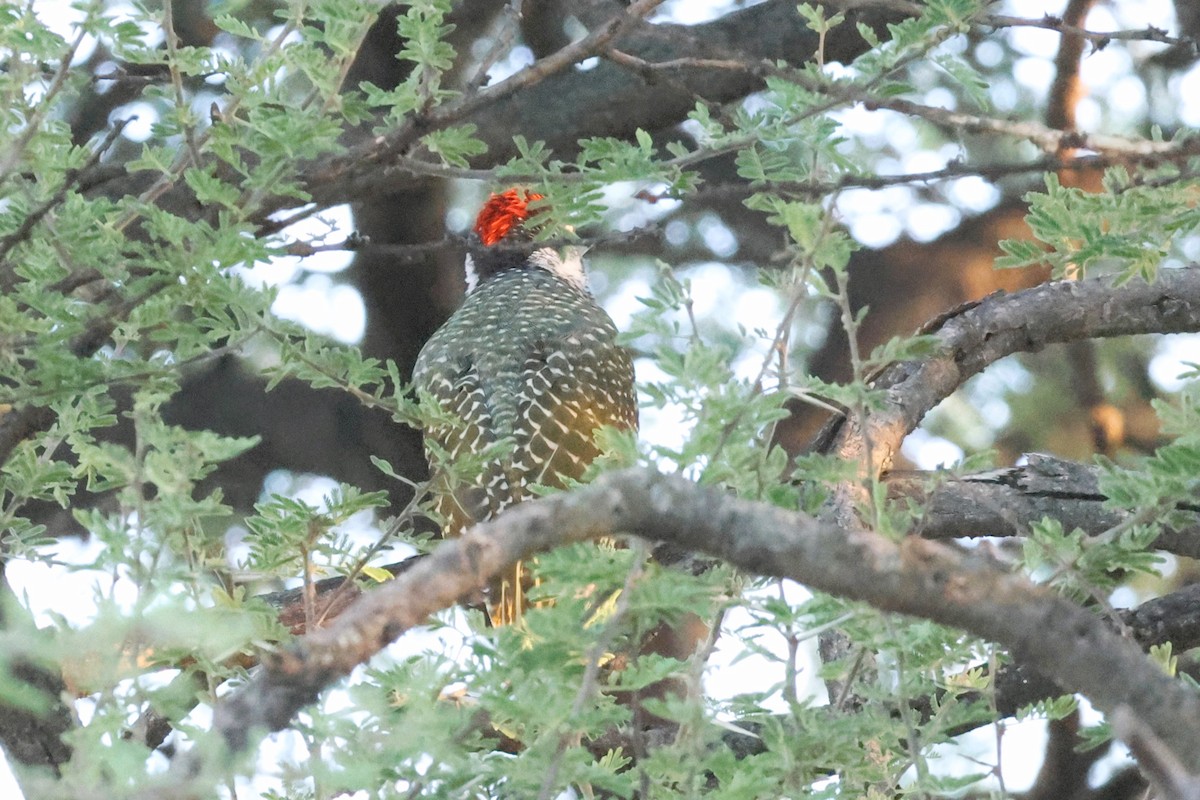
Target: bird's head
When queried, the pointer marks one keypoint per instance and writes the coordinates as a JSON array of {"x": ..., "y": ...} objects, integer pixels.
[
  {"x": 503, "y": 240},
  {"x": 505, "y": 218}
]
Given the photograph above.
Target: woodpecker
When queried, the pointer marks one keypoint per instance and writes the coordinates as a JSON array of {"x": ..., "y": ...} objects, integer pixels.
[{"x": 521, "y": 376}]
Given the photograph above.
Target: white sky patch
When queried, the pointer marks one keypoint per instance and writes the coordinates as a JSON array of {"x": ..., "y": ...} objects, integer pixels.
[
  {"x": 717, "y": 237},
  {"x": 1032, "y": 41},
  {"x": 747, "y": 365},
  {"x": 900, "y": 131},
  {"x": 1187, "y": 91},
  {"x": 924, "y": 222},
  {"x": 68, "y": 591},
  {"x": 457, "y": 219},
  {"x": 325, "y": 307},
  {"x": 1088, "y": 114},
  {"x": 967, "y": 417},
  {"x": 868, "y": 126},
  {"x": 1117, "y": 16},
  {"x": 995, "y": 411},
  {"x": 733, "y": 670},
  {"x": 8, "y": 782},
  {"x": 60, "y": 16},
  {"x": 875, "y": 230},
  {"x": 756, "y": 306},
  {"x": 677, "y": 232},
  {"x": 1169, "y": 364},
  {"x": 972, "y": 193},
  {"x": 329, "y": 226},
  {"x": 629, "y": 211},
  {"x": 663, "y": 427},
  {"x": 1128, "y": 95},
  {"x": 689, "y": 12},
  {"x": 941, "y": 97},
  {"x": 1007, "y": 373},
  {"x": 1124, "y": 597},
  {"x": 1021, "y": 751},
  {"x": 142, "y": 117},
  {"x": 1004, "y": 96},
  {"x": 877, "y": 218},
  {"x": 1102, "y": 68},
  {"x": 318, "y": 302},
  {"x": 517, "y": 59},
  {"x": 1035, "y": 73},
  {"x": 924, "y": 161},
  {"x": 622, "y": 303},
  {"x": 712, "y": 287},
  {"x": 989, "y": 53},
  {"x": 931, "y": 452}
]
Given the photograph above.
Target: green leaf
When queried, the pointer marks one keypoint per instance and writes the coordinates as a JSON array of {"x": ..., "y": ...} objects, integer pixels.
[{"x": 455, "y": 145}]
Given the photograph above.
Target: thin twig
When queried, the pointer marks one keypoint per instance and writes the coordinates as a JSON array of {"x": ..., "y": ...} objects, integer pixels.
[
  {"x": 33, "y": 124},
  {"x": 403, "y": 519},
  {"x": 181, "y": 105},
  {"x": 48, "y": 393},
  {"x": 589, "y": 685},
  {"x": 502, "y": 41},
  {"x": 396, "y": 144},
  {"x": 70, "y": 179},
  {"x": 17, "y": 425},
  {"x": 1099, "y": 39},
  {"x": 417, "y": 251}
]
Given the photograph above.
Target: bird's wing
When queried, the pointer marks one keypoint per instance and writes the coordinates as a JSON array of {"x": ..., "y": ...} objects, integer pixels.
[
  {"x": 461, "y": 445},
  {"x": 569, "y": 389}
]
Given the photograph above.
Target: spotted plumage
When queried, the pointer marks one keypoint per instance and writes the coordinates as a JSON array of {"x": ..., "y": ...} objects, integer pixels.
[{"x": 523, "y": 373}]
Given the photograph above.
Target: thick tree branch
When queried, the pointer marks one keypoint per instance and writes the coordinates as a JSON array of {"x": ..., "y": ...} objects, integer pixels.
[
  {"x": 33, "y": 738},
  {"x": 997, "y": 503},
  {"x": 1173, "y": 618},
  {"x": 559, "y": 106},
  {"x": 1006, "y": 502},
  {"x": 915, "y": 576},
  {"x": 978, "y": 334}
]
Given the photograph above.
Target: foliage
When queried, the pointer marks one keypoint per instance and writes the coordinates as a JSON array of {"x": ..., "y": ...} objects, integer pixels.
[{"x": 110, "y": 303}]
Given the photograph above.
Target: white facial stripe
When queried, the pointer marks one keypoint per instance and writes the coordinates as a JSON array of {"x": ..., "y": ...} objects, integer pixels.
[
  {"x": 472, "y": 274},
  {"x": 568, "y": 266}
]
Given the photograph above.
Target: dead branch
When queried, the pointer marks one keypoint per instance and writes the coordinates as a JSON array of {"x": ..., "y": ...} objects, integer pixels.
[
  {"x": 1006, "y": 502},
  {"x": 978, "y": 334}
]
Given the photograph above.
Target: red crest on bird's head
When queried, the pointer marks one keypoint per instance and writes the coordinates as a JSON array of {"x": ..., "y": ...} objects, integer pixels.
[{"x": 501, "y": 213}]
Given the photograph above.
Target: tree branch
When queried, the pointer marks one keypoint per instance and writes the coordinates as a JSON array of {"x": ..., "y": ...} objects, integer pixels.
[
  {"x": 1099, "y": 39},
  {"x": 1006, "y": 502},
  {"x": 978, "y": 334},
  {"x": 18, "y": 424},
  {"x": 561, "y": 107},
  {"x": 917, "y": 577}
]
